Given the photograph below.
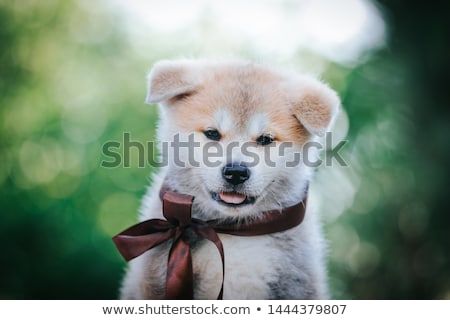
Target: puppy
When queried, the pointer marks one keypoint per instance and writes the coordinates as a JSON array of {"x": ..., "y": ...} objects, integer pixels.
[{"x": 244, "y": 129}]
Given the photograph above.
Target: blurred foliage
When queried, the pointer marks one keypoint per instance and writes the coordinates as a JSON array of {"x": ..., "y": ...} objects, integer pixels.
[
  {"x": 70, "y": 82},
  {"x": 398, "y": 225},
  {"x": 67, "y": 85}
]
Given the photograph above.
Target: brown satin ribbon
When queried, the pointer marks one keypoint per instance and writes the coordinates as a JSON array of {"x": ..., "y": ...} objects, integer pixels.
[{"x": 148, "y": 234}]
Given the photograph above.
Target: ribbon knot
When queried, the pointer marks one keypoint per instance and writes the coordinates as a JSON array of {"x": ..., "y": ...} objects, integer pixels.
[{"x": 177, "y": 209}]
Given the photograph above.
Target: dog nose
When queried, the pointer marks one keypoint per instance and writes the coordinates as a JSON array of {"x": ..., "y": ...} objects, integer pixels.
[{"x": 235, "y": 173}]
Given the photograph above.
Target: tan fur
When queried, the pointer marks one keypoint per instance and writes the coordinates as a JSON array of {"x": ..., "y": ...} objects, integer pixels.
[
  {"x": 243, "y": 88},
  {"x": 243, "y": 101}
]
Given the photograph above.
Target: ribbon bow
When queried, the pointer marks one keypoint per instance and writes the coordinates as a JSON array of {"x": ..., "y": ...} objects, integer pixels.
[{"x": 148, "y": 234}]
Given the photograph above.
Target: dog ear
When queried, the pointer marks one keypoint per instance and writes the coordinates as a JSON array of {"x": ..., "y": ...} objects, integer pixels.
[
  {"x": 316, "y": 106},
  {"x": 169, "y": 79}
]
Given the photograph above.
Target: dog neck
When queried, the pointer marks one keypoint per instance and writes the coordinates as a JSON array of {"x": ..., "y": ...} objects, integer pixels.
[
  {"x": 177, "y": 209},
  {"x": 166, "y": 188}
]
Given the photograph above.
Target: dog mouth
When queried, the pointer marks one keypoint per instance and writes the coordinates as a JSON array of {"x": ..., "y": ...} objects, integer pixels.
[{"x": 232, "y": 199}]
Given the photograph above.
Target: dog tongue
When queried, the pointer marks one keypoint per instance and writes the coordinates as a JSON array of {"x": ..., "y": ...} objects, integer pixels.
[{"x": 234, "y": 198}]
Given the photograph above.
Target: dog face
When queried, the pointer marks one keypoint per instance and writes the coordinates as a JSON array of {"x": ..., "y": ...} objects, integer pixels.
[{"x": 238, "y": 132}]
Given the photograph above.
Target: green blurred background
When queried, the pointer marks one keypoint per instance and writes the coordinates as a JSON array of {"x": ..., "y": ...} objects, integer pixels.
[{"x": 72, "y": 77}]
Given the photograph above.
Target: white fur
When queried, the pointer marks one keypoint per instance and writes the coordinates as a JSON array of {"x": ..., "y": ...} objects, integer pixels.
[
  {"x": 284, "y": 265},
  {"x": 257, "y": 124},
  {"x": 223, "y": 119}
]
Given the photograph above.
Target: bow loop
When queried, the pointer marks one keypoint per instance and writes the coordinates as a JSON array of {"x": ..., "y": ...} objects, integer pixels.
[{"x": 142, "y": 237}]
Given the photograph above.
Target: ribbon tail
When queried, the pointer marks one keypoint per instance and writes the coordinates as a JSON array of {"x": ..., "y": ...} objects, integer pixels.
[{"x": 179, "y": 280}]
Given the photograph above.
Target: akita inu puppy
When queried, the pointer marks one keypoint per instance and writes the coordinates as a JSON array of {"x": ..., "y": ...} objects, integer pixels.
[{"x": 235, "y": 134}]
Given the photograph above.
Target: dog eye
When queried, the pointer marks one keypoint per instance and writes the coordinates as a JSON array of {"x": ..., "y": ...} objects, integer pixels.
[
  {"x": 212, "y": 134},
  {"x": 264, "y": 140}
]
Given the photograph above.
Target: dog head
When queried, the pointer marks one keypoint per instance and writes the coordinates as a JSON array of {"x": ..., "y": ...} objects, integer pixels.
[{"x": 237, "y": 132}]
